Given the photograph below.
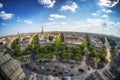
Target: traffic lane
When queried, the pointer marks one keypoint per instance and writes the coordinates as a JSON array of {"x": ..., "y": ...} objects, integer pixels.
[{"x": 61, "y": 69}]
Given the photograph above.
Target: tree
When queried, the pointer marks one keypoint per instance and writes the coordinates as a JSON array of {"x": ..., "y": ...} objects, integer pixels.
[
  {"x": 69, "y": 50},
  {"x": 76, "y": 58},
  {"x": 83, "y": 52},
  {"x": 8, "y": 51},
  {"x": 66, "y": 56},
  {"x": 45, "y": 50},
  {"x": 28, "y": 50},
  {"x": 17, "y": 52},
  {"x": 37, "y": 48},
  {"x": 35, "y": 39},
  {"x": 61, "y": 37},
  {"x": 88, "y": 41},
  {"x": 62, "y": 48},
  {"x": 103, "y": 39},
  {"x": 15, "y": 43},
  {"x": 1, "y": 43},
  {"x": 63, "y": 44},
  {"x": 75, "y": 50},
  {"x": 82, "y": 47},
  {"x": 29, "y": 47},
  {"x": 93, "y": 52},
  {"x": 91, "y": 48}
]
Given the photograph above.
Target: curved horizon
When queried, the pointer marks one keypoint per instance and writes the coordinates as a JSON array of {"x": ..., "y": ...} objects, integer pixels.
[{"x": 24, "y": 16}]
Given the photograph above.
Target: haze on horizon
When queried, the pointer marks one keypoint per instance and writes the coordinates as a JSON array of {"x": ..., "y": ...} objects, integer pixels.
[{"x": 96, "y": 16}]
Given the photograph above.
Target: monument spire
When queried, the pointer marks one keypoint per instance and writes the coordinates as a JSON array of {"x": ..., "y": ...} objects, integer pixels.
[{"x": 42, "y": 30}]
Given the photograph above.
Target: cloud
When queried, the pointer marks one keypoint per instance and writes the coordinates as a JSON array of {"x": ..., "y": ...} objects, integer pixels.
[
  {"x": 54, "y": 23},
  {"x": 50, "y": 23},
  {"x": 56, "y": 16},
  {"x": 95, "y": 22},
  {"x": 47, "y": 3},
  {"x": 93, "y": 25},
  {"x": 63, "y": 28},
  {"x": 94, "y": 14},
  {"x": 107, "y": 10},
  {"x": 72, "y": 7},
  {"x": 5, "y": 16},
  {"x": 1, "y": 5},
  {"x": 103, "y": 26},
  {"x": 108, "y": 3},
  {"x": 100, "y": 24},
  {"x": 103, "y": 23},
  {"x": 28, "y": 21},
  {"x": 62, "y": 23},
  {"x": 105, "y": 16},
  {"x": 51, "y": 19}
]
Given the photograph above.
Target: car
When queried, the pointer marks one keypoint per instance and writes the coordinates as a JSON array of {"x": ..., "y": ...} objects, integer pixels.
[
  {"x": 42, "y": 67},
  {"x": 54, "y": 70},
  {"x": 71, "y": 74},
  {"x": 56, "y": 74},
  {"x": 71, "y": 61},
  {"x": 66, "y": 71},
  {"x": 56, "y": 66},
  {"x": 66, "y": 78},
  {"x": 46, "y": 63},
  {"x": 81, "y": 70},
  {"x": 88, "y": 68},
  {"x": 44, "y": 60},
  {"x": 47, "y": 69},
  {"x": 60, "y": 72},
  {"x": 64, "y": 67},
  {"x": 72, "y": 66}
]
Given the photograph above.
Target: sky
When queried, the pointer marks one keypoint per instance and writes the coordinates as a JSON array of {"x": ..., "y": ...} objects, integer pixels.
[{"x": 94, "y": 16}]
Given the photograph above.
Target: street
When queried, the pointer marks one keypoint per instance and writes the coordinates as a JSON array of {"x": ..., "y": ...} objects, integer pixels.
[{"x": 108, "y": 50}]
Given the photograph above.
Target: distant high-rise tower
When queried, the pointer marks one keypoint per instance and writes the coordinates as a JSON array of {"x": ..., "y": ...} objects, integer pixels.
[
  {"x": 42, "y": 30},
  {"x": 18, "y": 33}
]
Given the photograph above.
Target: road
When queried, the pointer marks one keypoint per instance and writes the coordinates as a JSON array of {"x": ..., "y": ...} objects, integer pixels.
[
  {"x": 108, "y": 50},
  {"x": 57, "y": 68}
]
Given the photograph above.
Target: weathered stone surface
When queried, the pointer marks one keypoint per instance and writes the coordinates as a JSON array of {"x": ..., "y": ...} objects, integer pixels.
[{"x": 11, "y": 68}]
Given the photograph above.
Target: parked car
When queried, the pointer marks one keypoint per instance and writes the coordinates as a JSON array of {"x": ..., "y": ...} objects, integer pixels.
[{"x": 81, "y": 70}]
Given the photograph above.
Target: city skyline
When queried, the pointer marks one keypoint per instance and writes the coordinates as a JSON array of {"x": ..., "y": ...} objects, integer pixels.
[{"x": 96, "y": 16}]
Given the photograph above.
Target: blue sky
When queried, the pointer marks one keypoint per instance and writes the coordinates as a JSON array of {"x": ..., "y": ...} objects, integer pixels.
[{"x": 97, "y": 16}]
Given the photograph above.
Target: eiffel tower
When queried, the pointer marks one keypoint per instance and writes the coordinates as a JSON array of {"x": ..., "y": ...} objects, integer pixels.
[{"x": 42, "y": 30}]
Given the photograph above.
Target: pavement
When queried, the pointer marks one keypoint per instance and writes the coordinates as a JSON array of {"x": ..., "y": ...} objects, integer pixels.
[
  {"x": 108, "y": 50},
  {"x": 59, "y": 68}
]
